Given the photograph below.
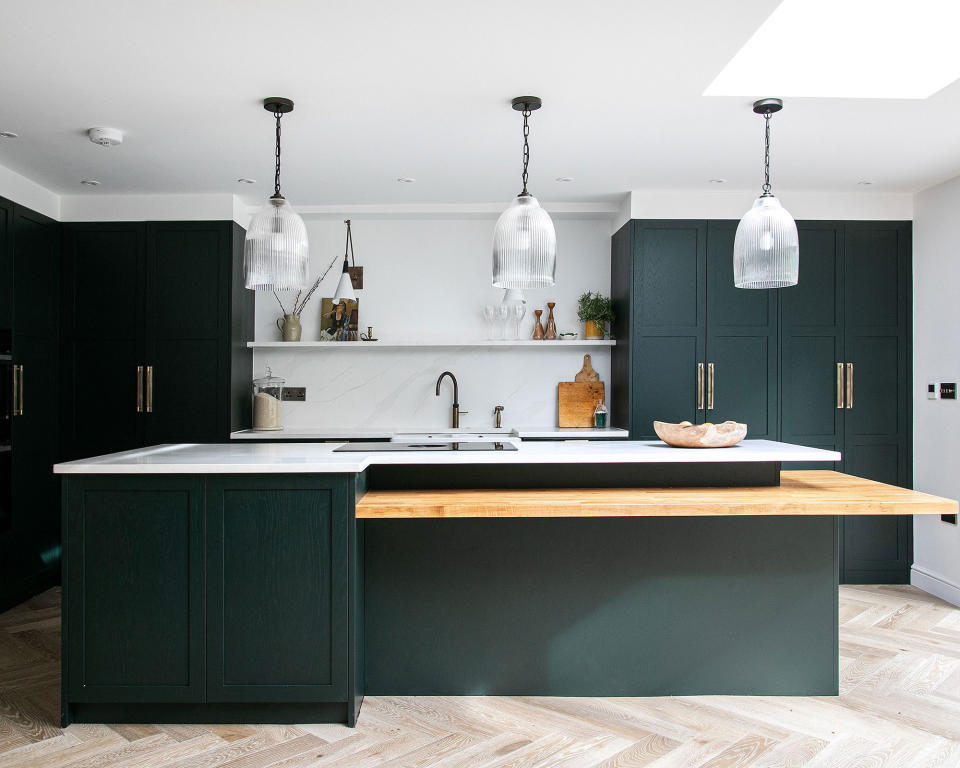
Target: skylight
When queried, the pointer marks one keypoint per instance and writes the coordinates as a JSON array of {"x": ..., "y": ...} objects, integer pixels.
[{"x": 871, "y": 49}]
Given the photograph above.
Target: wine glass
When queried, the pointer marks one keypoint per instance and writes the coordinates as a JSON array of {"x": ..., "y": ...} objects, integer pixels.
[
  {"x": 489, "y": 312},
  {"x": 503, "y": 314},
  {"x": 518, "y": 310}
]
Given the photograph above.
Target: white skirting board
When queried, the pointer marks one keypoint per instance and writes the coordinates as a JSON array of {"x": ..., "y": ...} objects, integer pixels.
[{"x": 935, "y": 584}]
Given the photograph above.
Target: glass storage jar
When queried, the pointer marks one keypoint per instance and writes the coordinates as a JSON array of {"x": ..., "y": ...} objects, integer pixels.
[{"x": 267, "y": 398}]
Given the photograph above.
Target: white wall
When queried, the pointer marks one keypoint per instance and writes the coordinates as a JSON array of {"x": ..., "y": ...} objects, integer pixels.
[
  {"x": 22, "y": 190},
  {"x": 936, "y": 357},
  {"x": 427, "y": 279}
]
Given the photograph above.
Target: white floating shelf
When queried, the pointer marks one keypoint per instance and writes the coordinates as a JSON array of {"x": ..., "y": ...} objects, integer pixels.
[{"x": 426, "y": 344}]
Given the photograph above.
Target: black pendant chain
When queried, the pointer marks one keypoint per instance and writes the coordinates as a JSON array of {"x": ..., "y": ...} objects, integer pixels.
[
  {"x": 766, "y": 157},
  {"x": 526, "y": 150},
  {"x": 276, "y": 178}
]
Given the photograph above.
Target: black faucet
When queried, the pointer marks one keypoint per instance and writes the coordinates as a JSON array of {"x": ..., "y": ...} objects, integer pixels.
[{"x": 456, "y": 397}]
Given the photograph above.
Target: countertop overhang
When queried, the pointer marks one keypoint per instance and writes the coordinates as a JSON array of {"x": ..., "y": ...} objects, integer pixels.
[
  {"x": 306, "y": 458},
  {"x": 802, "y": 492}
]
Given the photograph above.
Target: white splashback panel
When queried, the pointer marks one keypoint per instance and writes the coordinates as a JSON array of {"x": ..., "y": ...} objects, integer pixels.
[{"x": 428, "y": 279}]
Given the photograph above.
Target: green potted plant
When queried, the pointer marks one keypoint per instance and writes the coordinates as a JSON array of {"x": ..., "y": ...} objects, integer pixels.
[{"x": 595, "y": 311}]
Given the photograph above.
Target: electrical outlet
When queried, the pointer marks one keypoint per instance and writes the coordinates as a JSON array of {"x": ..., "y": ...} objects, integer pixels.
[
  {"x": 932, "y": 391},
  {"x": 948, "y": 390},
  {"x": 295, "y": 394}
]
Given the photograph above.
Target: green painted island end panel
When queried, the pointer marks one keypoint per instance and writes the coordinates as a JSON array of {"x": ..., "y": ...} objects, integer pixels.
[{"x": 602, "y": 607}]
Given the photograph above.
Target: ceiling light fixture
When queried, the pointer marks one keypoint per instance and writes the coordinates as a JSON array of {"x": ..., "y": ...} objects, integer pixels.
[
  {"x": 351, "y": 277},
  {"x": 865, "y": 183},
  {"x": 9, "y": 135},
  {"x": 524, "y": 240},
  {"x": 564, "y": 179},
  {"x": 90, "y": 182},
  {"x": 406, "y": 179},
  {"x": 245, "y": 180},
  {"x": 276, "y": 255},
  {"x": 766, "y": 249},
  {"x": 718, "y": 181}
]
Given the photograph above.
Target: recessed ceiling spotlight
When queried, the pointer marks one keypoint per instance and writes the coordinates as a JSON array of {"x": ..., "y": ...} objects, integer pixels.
[
  {"x": 718, "y": 181},
  {"x": 406, "y": 179},
  {"x": 865, "y": 183},
  {"x": 90, "y": 182},
  {"x": 105, "y": 137},
  {"x": 9, "y": 135},
  {"x": 245, "y": 180},
  {"x": 564, "y": 179}
]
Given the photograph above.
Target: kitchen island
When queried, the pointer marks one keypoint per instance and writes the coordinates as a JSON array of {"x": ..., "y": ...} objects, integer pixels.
[{"x": 280, "y": 582}]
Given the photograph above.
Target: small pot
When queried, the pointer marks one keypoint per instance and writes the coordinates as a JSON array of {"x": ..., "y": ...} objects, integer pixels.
[
  {"x": 592, "y": 330},
  {"x": 290, "y": 327}
]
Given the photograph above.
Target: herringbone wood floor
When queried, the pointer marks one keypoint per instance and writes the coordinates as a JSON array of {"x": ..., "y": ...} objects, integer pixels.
[{"x": 899, "y": 706}]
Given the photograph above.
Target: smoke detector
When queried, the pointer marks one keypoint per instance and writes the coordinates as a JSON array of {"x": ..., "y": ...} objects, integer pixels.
[{"x": 105, "y": 137}]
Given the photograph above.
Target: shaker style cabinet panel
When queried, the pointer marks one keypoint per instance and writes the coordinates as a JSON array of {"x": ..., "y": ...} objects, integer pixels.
[
  {"x": 277, "y": 589},
  {"x": 157, "y": 320},
  {"x": 825, "y": 363},
  {"x": 6, "y": 265},
  {"x": 134, "y": 591}
]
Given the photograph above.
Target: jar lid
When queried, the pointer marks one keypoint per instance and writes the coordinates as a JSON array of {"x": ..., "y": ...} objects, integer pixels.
[{"x": 270, "y": 380}]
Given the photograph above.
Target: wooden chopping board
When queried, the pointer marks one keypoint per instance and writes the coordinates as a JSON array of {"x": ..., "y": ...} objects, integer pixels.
[{"x": 576, "y": 401}]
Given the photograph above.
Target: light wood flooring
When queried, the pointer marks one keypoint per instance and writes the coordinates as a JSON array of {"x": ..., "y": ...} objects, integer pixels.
[{"x": 899, "y": 706}]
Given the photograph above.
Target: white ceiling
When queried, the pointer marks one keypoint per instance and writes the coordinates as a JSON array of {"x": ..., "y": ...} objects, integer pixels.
[{"x": 421, "y": 88}]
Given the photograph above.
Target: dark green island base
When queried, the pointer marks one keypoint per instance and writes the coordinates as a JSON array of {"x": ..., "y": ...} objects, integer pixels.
[{"x": 261, "y": 598}]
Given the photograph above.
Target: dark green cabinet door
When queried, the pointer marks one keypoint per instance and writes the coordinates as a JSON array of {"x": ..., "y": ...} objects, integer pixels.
[
  {"x": 877, "y": 424},
  {"x": 277, "y": 588},
  {"x": 811, "y": 343},
  {"x": 6, "y": 265},
  {"x": 36, "y": 261},
  {"x": 135, "y": 614},
  {"x": 103, "y": 337},
  {"x": 669, "y": 332},
  {"x": 741, "y": 343},
  {"x": 188, "y": 275}
]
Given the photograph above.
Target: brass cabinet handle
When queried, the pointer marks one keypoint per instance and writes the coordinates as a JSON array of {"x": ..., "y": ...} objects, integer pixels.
[
  {"x": 839, "y": 385},
  {"x": 139, "y": 389},
  {"x": 710, "y": 387},
  {"x": 149, "y": 389},
  {"x": 849, "y": 385},
  {"x": 18, "y": 390},
  {"x": 22, "y": 388},
  {"x": 699, "y": 386}
]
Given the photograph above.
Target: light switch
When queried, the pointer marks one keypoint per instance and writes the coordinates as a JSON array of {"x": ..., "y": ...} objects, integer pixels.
[{"x": 932, "y": 391}]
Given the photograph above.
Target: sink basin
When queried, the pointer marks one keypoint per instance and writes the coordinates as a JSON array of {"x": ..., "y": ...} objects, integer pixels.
[{"x": 457, "y": 435}]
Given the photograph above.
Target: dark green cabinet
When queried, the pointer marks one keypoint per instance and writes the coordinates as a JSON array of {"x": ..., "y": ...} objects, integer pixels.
[
  {"x": 156, "y": 312},
  {"x": 690, "y": 346},
  {"x": 232, "y": 595},
  {"x": 825, "y": 363},
  {"x": 29, "y": 532},
  {"x": 277, "y": 589},
  {"x": 135, "y": 590}
]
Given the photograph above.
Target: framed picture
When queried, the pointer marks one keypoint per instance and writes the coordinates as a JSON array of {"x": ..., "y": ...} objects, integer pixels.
[{"x": 339, "y": 322}]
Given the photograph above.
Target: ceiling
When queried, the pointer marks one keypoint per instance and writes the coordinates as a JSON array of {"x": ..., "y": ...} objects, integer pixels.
[{"x": 421, "y": 88}]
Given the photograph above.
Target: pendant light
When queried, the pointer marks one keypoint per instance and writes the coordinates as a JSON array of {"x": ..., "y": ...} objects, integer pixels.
[
  {"x": 345, "y": 286},
  {"x": 524, "y": 240},
  {"x": 275, "y": 252},
  {"x": 766, "y": 250}
]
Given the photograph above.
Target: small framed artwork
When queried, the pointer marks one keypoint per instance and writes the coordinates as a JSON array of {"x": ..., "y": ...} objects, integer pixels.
[{"x": 340, "y": 321}]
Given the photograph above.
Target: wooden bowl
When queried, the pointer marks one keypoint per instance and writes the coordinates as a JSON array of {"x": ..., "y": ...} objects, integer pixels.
[{"x": 687, "y": 435}]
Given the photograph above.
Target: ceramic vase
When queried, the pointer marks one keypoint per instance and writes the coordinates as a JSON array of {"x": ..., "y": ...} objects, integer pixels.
[
  {"x": 290, "y": 327},
  {"x": 551, "y": 332},
  {"x": 592, "y": 330},
  {"x": 538, "y": 328}
]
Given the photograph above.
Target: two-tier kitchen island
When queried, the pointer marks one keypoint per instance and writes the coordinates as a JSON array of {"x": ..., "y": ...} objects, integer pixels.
[{"x": 280, "y": 582}]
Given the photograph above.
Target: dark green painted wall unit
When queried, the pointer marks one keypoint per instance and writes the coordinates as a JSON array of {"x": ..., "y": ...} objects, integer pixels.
[
  {"x": 776, "y": 353},
  {"x": 602, "y": 607},
  {"x": 29, "y": 311},
  {"x": 166, "y": 297},
  {"x": 228, "y": 593}
]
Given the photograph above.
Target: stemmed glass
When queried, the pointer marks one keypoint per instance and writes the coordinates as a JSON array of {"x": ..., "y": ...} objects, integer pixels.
[
  {"x": 518, "y": 310},
  {"x": 489, "y": 312},
  {"x": 503, "y": 313}
]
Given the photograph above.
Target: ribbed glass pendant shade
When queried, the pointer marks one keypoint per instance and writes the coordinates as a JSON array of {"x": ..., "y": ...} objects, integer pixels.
[
  {"x": 766, "y": 251},
  {"x": 276, "y": 255},
  {"x": 524, "y": 246}
]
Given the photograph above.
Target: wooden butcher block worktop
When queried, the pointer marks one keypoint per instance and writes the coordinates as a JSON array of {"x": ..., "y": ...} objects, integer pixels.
[{"x": 800, "y": 493}]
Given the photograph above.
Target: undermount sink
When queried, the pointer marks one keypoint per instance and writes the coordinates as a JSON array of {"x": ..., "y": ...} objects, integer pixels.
[{"x": 457, "y": 435}]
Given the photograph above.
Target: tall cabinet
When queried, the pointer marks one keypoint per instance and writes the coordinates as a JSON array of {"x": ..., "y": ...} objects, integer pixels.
[
  {"x": 155, "y": 323},
  {"x": 29, "y": 322},
  {"x": 825, "y": 363}
]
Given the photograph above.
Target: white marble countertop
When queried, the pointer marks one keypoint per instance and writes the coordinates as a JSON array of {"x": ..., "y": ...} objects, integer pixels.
[
  {"x": 296, "y": 458},
  {"x": 385, "y": 433}
]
